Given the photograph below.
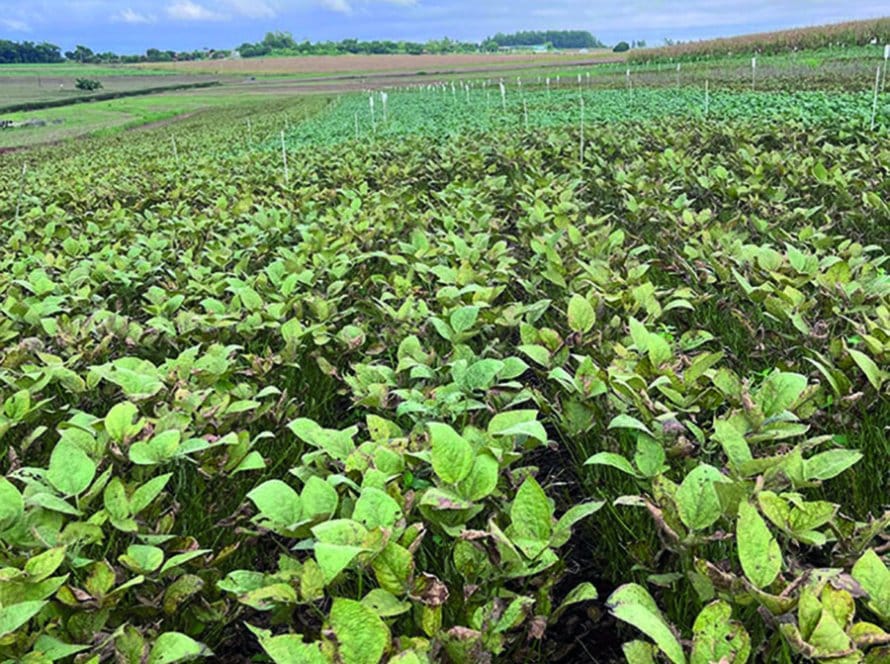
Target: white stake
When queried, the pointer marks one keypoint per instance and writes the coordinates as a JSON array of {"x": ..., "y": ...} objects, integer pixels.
[
  {"x": 250, "y": 131},
  {"x": 886, "y": 62},
  {"x": 384, "y": 98},
  {"x": 503, "y": 97},
  {"x": 373, "y": 118},
  {"x": 754, "y": 74},
  {"x": 678, "y": 74},
  {"x": 525, "y": 112},
  {"x": 874, "y": 105}
]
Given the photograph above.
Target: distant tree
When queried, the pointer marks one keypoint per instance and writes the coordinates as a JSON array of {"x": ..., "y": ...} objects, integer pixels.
[
  {"x": 621, "y": 47},
  {"x": 413, "y": 48},
  {"x": 279, "y": 41},
  {"x": 28, "y": 52},
  {"x": 87, "y": 84},
  {"x": 558, "y": 38},
  {"x": 81, "y": 54}
]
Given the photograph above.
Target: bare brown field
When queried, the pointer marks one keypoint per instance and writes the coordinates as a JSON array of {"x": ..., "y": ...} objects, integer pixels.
[{"x": 325, "y": 65}]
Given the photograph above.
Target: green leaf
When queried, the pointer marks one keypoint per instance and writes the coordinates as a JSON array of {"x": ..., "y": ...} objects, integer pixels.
[
  {"x": 628, "y": 422},
  {"x": 518, "y": 423},
  {"x": 780, "y": 391},
  {"x": 173, "y": 647},
  {"x": 53, "y": 649},
  {"x": 634, "y": 605},
  {"x": 289, "y": 648},
  {"x": 142, "y": 559},
  {"x": 718, "y": 638},
  {"x": 338, "y": 444},
  {"x": 658, "y": 350},
  {"x": 138, "y": 378},
  {"x": 697, "y": 500},
  {"x": 830, "y": 464},
  {"x": 563, "y": 529},
  {"x": 385, "y": 604},
  {"x": 393, "y": 568},
  {"x": 159, "y": 449},
  {"x": 581, "y": 314},
  {"x": 639, "y": 652},
  {"x": 119, "y": 421},
  {"x": 376, "y": 509},
  {"x": 318, "y": 498},
  {"x": 452, "y": 456},
  {"x": 759, "y": 552},
  {"x": 182, "y": 558},
  {"x": 531, "y": 517},
  {"x": 731, "y": 437},
  {"x": 277, "y": 503},
  {"x": 463, "y": 319},
  {"x": 874, "y": 577},
  {"x": 12, "y": 506},
  {"x": 869, "y": 368},
  {"x": 613, "y": 460},
  {"x": 482, "y": 479},
  {"x": 44, "y": 564},
  {"x": 481, "y": 375},
  {"x": 334, "y": 558},
  {"x": 829, "y": 636},
  {"x": 650, "y": 456},
  {"x": 362, "y": 637},
  {"x": 584, "y": 592},
  {"x": 536, "y": 353},
  {"x": 181, "y": 591},
  {"x": 14, "y": 616},
  {"x": 145, "y": 495},
  {"x": 71, "y": 471}
]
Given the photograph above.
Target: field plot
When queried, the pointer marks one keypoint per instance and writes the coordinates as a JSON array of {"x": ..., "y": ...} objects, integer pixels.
[
  {"x": 58, "y": 124},
  {"x": 462, "y": 374},
  {"x": 36, "y": 83},
  {"x": 350, "y": 65}
]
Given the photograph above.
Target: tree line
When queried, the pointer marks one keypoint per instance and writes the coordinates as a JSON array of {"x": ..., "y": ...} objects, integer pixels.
[
  {"x": 283, "y": 43},
  {"x": 554, "y": 38},
  {"x": 45, "y": 53}
]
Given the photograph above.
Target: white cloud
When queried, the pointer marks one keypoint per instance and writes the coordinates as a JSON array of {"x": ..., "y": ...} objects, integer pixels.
[
  {"x": 341, "y": 6},
  {"x": 186, "y": 10},
  {"x": 135, "y": 18},
  {"x": 252, "y": 8},
  {"x": 349, "y": 6},
  {"x": 15, "y": 25}
]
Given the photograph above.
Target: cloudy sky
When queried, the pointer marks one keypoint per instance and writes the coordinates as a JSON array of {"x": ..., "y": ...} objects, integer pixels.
[{"x": 131, "y": 26}]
